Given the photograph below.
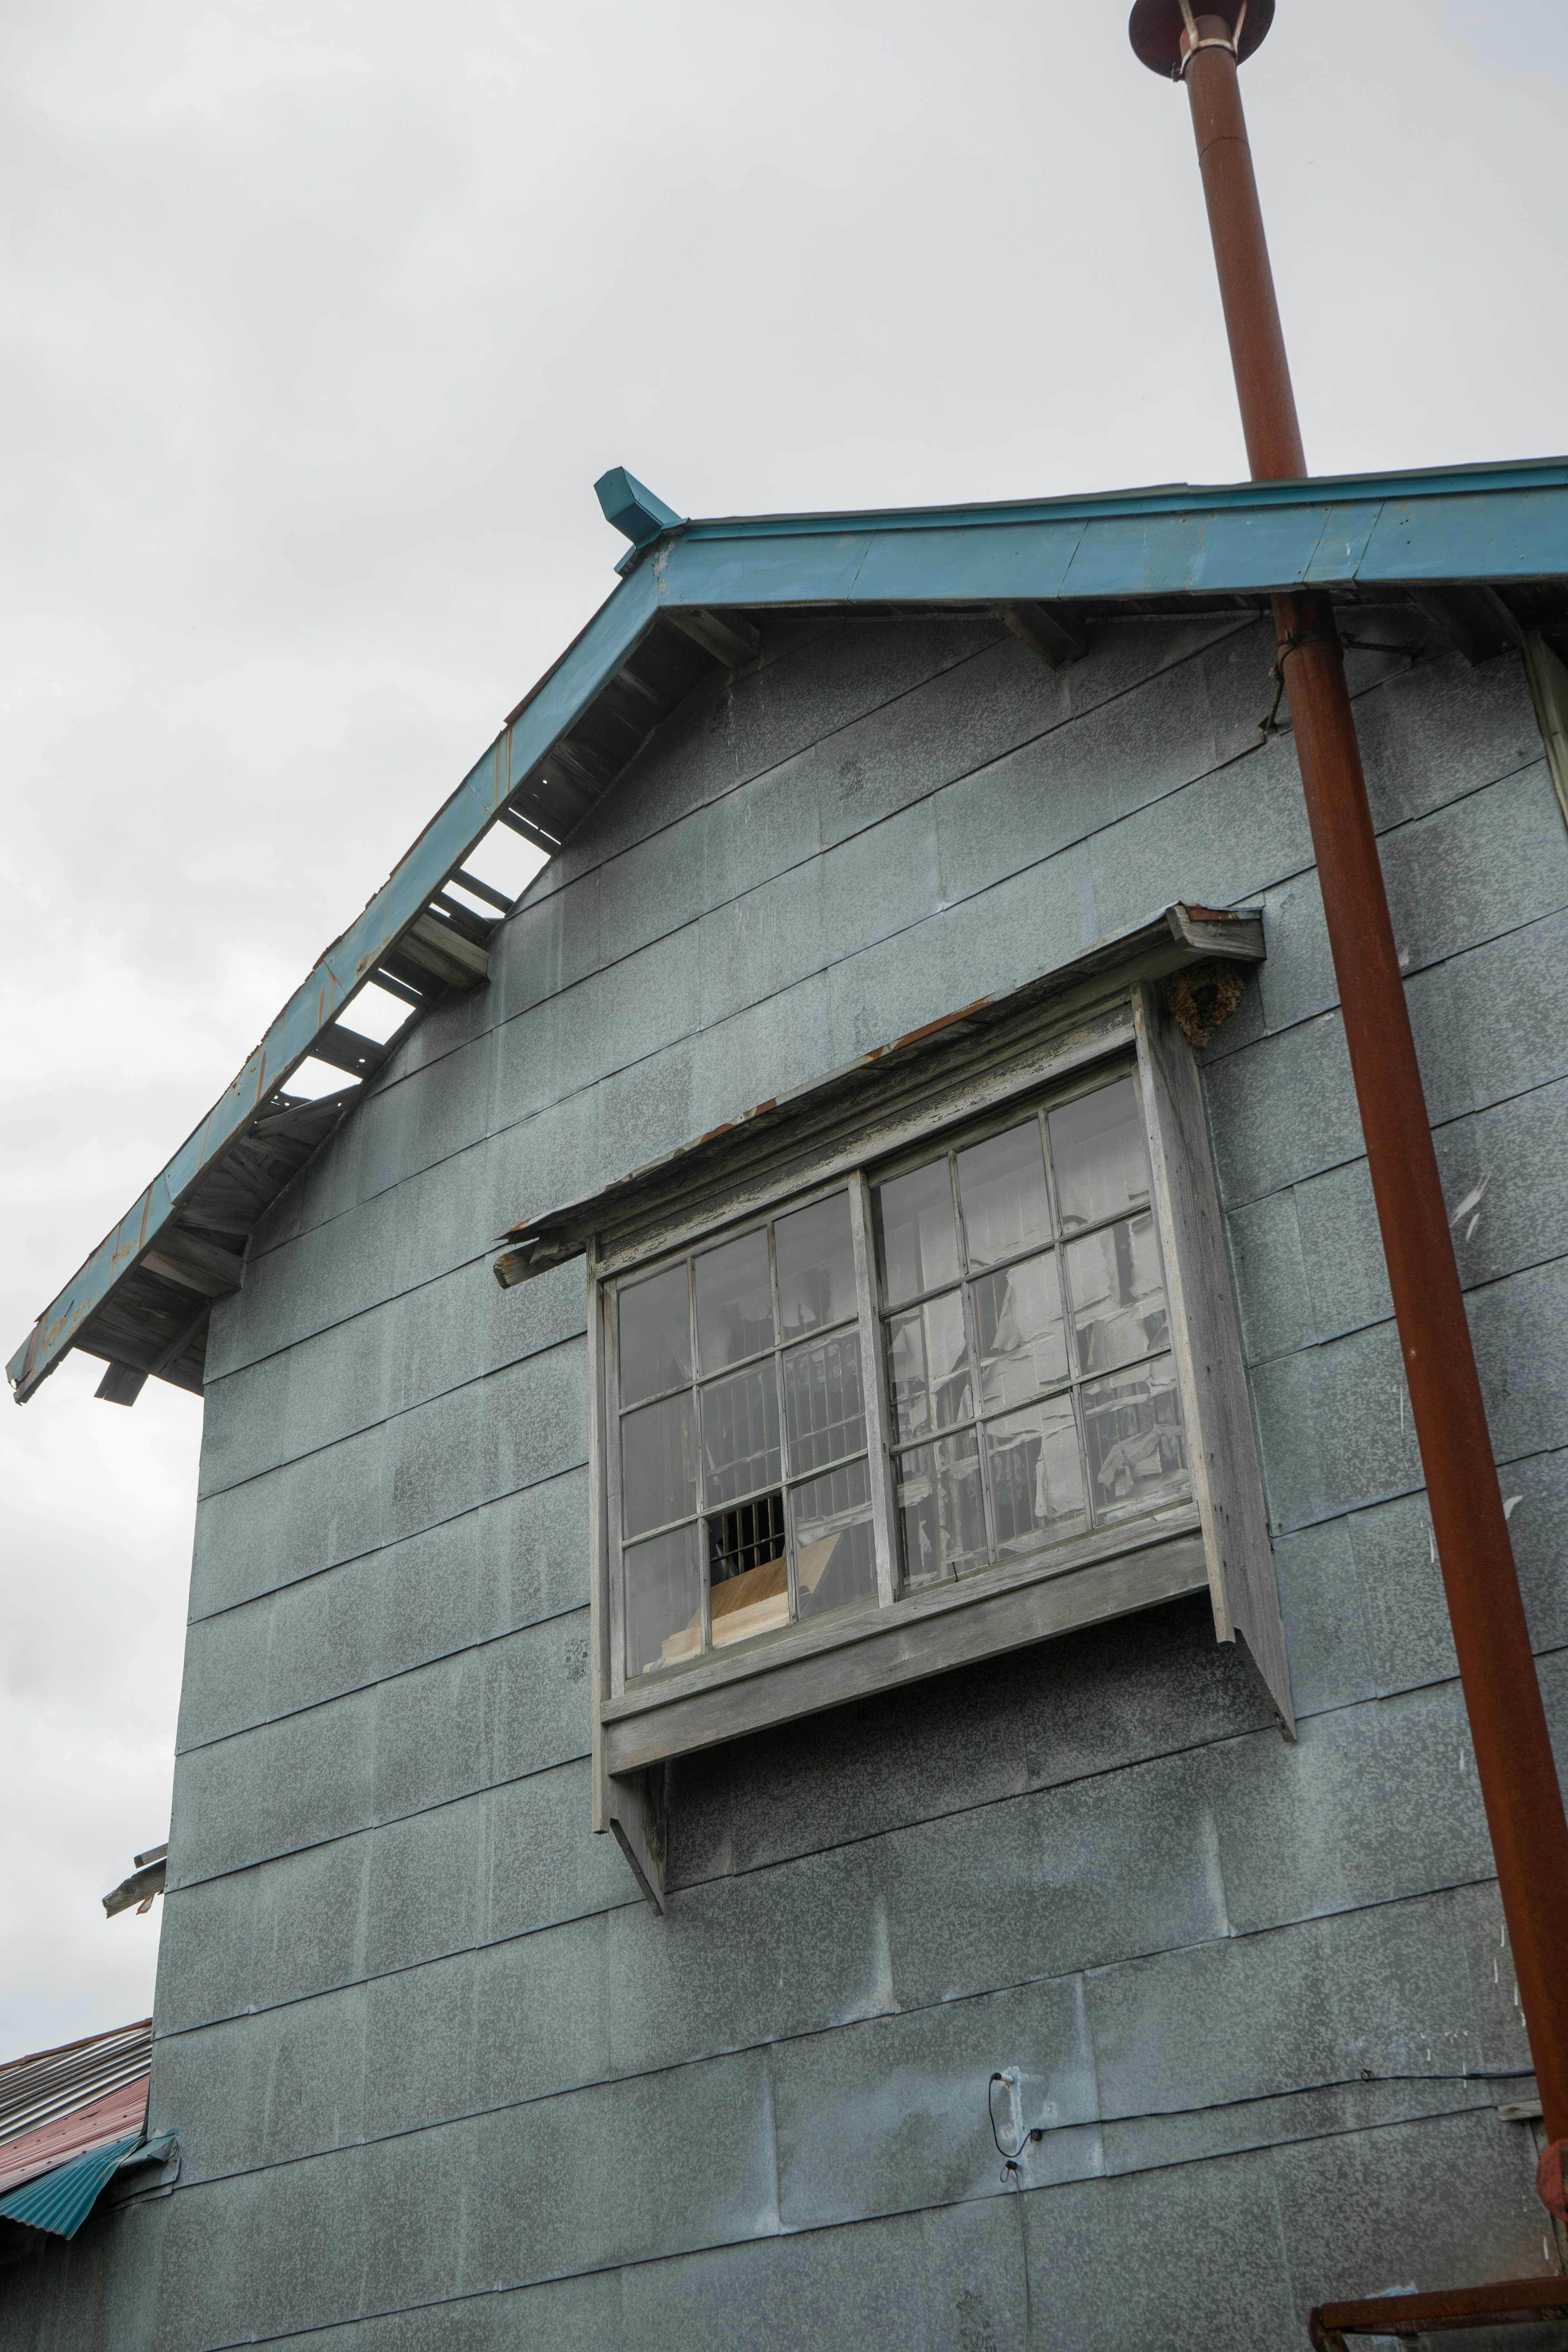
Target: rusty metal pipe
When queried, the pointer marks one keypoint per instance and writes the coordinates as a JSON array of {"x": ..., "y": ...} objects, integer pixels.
[
  {"x": 1274, "y": 451},
  {"x": 1514, "y": 1762}
]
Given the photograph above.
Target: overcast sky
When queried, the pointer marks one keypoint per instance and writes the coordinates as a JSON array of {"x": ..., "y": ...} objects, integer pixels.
[{"x": 317, "y": 323}]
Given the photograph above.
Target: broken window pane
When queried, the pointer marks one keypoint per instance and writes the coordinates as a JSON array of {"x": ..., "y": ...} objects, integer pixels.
[
  {"x": 655, "y": 1336},
  {"x": 940, "y": 1509},
  {"x": 1137, "y": 1451},
  {"x": 1018, "y": 1325},
  {"x": 1101, "y": 1158},
  {"x": 734, "y": 1302},
  {"x": 748, "y": 1574},
  {"x": 664, "y": 1601},
  {"x": 1037, "y": 1478},
  {"x": 1002, "y": 1187},
  {"x": 931, "y": 1387},
  {"x": 835, "y": 1549},
  {"x": 916, "y": 1236},
  {"x": 658, "y": 1466},
  {"x": 741, "y": 1436},
  {"x": 1118, "y": 1295},
  {"x": 816, "y": 1267},
  {"x": 823, "y": 1410}
]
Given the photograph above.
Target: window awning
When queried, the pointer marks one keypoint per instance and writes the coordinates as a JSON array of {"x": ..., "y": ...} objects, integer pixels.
[{"x": 1181, "y": 936}]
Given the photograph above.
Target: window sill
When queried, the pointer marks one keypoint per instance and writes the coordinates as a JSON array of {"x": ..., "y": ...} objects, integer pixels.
[{"x": 1105, "y": 1575}]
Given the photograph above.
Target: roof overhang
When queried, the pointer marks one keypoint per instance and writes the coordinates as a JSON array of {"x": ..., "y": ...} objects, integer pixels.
[{"x": 1484, "y": 550}]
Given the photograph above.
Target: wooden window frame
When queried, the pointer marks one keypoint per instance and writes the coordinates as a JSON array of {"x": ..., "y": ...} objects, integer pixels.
[{"x": 1220, "y": 1546}]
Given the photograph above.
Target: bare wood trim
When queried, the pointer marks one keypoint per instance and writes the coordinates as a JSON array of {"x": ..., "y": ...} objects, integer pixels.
[
  {"x": 1046, "y": 630},
  {"x": 342, "y": 1048},
  {"x": 121, "y": 1384},
  {"x": 485, "y": 890},
  {"x": 598, "y": 1545},
  {"x": 943, "y": 1063},
  {"x": 196, "y": 1273},
  {"x": 179, "y": 1343},
  {"x": 726, "y": 635},
  {"x": 1226, "y": 1479},
  {"x": 1549, "y": 690},
  {"x": 611, "y": 1545},
  {"x": 437, "y": 949},
  {"x": 874, "y": 1387},
  {"x": 1467, "y": 620},
  {"x": 987, "y": 1624},
  {"x": 873, "y": 1136},
  {"x": 858, "y": 1624},
  {"x": 639, "y": 1818},
  {"x": 1215, "y": 931}
]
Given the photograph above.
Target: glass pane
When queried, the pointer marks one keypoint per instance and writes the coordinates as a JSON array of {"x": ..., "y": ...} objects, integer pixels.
[
  {"x": 1037, "y": 1478},
  {"x": 930, "y": 1365},
  {"x": 741, "y": 1436},
  {"x": 747, "y": 1571},
  {"x": 1137, "y": 1452},
  {"x": 1118, "y": 1295},
  {"x": 917, "y": 1240},
  {"x": 816, "y": 1266},
  {"x": 664, "y": 1601},
  {"x": 835, "y": 1549},
  {"x": 1101, "y": 1158},
  {"x": 734, "y": 1302},
  {"x": 1002, "y": 1187},
  {"x": 822, "y": 1410},
  {"x": 940, "y": 1506},
  {"x": 658, "y": 1470},
  {"x": 1022, "y": 1343},
  {"x": 656, "y": 1335}
]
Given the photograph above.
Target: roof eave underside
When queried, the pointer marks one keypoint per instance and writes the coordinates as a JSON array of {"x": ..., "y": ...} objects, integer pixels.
[{"x": 562, "y": 748}]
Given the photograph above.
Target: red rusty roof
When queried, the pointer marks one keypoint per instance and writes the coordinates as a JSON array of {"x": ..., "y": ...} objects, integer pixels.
[{"x": 57, "y": 2104}]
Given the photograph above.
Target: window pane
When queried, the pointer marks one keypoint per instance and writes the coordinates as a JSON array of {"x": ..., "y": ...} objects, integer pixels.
[
  {"x": 1002, "y": 1187},
  {"x": 734, "y": 1302},
  {"x": 658, "y": 1469},
  {"x": 747, "y": 1571},
  {"x": 741, "y": 1436},
  {"x": 1037, "y": 1478},
  {"x": 655, "y": 1336},
  {"x": 1100, "y": 1155},
  {"x": 931, "y": 1387},
  {"x": 835, "y": 1549},
  {"x": 1137, "y": 1452},
  {"x": 1022, "y": 1343},
  {"x": 1118, "y": 1295},
  {"x": 664, "y": 1601},
  {"x": 940, "y": 1506},
  {"x": 916, "y": 1237},
  {"x": 816, "y": 1266},
  {"x": 822, "y": 1410}
]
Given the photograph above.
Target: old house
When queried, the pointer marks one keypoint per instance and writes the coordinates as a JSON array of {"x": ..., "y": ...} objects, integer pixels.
[{"x": 818, "y": 1708}]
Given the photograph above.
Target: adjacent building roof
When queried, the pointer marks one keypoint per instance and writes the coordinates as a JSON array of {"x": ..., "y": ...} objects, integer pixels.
[
  {"x": 60, "y": 2104},
  {"x": 1483, "y": 549}
]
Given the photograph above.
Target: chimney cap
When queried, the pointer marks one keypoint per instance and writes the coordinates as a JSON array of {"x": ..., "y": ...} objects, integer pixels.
[{"x": 1155, "y": 30}]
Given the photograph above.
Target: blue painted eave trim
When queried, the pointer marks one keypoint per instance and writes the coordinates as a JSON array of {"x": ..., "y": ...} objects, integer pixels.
[
  {"x": 1159, "y": 497},
  {"x": 1470, "y": 524}
]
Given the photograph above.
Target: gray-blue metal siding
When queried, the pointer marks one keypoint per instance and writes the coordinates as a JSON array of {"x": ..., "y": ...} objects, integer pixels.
[{"x": 443, "y": 2079}]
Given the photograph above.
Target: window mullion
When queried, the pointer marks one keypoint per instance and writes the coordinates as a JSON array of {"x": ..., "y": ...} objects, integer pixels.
[{"x": 874, "y": 1388}]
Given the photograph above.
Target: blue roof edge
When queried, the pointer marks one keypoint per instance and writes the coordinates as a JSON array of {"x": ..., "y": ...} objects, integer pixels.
[{"x": 1456, "y": 524}]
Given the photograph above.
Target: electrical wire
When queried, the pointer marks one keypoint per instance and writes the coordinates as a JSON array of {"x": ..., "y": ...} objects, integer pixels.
[{"x": 1252, "y": 2099}]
